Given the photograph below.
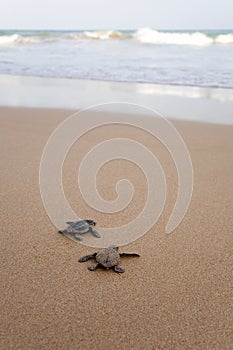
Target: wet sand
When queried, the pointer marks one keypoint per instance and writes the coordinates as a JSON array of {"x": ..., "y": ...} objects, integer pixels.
[{"x": 177, "y": 295}]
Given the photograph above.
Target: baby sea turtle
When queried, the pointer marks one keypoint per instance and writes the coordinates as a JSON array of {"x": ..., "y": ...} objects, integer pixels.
[
  {"x": 77, "y": 228},
  {"x": 108, "y": 258}
]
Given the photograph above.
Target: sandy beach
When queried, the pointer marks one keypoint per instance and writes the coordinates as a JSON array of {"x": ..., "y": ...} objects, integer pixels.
[{"x": 177, "y": 295}]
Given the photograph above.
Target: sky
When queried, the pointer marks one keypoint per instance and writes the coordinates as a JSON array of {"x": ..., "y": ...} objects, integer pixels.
[{"x": 118, "y": 14}]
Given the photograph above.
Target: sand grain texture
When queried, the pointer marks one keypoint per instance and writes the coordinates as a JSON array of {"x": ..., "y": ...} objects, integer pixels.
[{"x": 177, "y": 295}]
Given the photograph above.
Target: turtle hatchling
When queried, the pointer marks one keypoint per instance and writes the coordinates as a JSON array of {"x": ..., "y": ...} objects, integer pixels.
[
  {"x": 107, "y": 258},
  {"x": 77, "y": 228}
]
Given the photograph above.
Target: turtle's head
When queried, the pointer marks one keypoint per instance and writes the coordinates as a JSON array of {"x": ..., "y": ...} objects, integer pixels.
[{"x": 91, "y": 222}]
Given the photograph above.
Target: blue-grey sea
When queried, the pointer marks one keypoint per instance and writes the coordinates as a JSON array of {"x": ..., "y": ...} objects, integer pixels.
[{"x": 195, "y": 58}]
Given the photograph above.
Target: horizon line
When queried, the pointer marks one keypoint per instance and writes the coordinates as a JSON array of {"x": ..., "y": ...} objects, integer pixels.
[{"x": 113, "y": 29}]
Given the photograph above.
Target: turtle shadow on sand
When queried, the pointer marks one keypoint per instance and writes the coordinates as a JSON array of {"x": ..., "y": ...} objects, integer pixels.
[
  {"x": 76, "y": 229},
  {"x": 107, "y": 258}
]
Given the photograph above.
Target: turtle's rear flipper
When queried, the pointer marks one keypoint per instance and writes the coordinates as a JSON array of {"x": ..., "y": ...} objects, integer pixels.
[
  {"x": 129, "y": 254},
  {"x": 93, "y": 266},
  {"x": 94, "y": 232},
  {"x": 87, "y": 257},
  {"x": 78, "y": 237},
  {"x": 118, "y": 269}
]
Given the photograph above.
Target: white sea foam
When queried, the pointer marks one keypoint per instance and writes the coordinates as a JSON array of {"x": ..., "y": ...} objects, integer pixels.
[
  {"x": 16, "y": 39},
  {"x": 103, "y": 35},
  {"x": 144, "y": 35},
  {"x": 224, "y": 39},
  {"x": 73, "y": 36},
  {"x": 147, "y": 35}
]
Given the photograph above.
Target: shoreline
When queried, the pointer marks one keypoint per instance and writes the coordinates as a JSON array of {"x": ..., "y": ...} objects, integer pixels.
[
  {"x": 211, "y": 105},
  {"x": 122, "y": 82}
]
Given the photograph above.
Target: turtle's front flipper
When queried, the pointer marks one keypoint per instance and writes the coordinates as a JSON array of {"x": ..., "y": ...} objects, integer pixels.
[
  {"x": 118, "y": 269},
  {"x": 87, "y": 257},
  {"x": 129, "y": 254},
  {"x": 94, "y": 232},
  {"x": 93, "y": 266}
]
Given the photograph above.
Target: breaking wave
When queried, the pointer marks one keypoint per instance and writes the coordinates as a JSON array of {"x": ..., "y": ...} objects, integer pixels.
[
  {"x": 16, "y": 39},
  {"x": 144, "y": 35},
  {"x": 147, "y": 35},
  {"x": 103, "y": 35},
  {"x": 224, "y": 39}
]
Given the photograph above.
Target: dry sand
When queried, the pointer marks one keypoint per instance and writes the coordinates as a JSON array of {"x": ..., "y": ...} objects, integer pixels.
[{"x": 177, "y": 295}]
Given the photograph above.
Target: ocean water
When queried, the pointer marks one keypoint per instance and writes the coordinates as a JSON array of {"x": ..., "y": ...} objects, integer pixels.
[{"x": 203, "y": 58}]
